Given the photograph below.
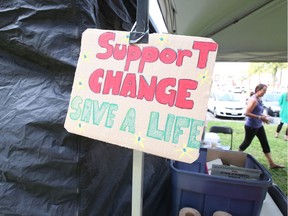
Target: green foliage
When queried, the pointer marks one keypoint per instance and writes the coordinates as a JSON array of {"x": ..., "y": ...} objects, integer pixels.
[
  {"x": 278, "y": 148},
  {"x": 272, "y": 67}
]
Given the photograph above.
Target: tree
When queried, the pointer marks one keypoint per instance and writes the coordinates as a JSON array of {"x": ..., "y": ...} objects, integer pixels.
[
  {"x": 275, "y": 67},
  {"x": 256, "y": 68},
  {"x": 272, "y": 67}
]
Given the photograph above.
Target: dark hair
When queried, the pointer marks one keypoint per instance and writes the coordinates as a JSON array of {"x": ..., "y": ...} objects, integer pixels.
[{"x": 259, "y": 87}]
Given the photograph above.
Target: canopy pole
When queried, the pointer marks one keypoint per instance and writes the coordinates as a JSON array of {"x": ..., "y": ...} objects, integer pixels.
[
  {"x": 139, "y": 34},
  {"x": 137, "y": 183}
]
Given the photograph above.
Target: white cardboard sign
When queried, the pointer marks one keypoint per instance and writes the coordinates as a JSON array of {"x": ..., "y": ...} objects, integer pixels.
[{"x": 148, "y": 97}]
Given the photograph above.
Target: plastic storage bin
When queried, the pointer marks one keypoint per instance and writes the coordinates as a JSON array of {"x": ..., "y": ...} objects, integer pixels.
[{"x": 193, "y": 187}]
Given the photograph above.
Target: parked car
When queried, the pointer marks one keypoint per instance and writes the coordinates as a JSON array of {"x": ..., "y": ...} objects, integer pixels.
[
  {"x": 239, "y": 89},
  {"x": 226, "y": 104},
  {"x": 271, "y": 104}
]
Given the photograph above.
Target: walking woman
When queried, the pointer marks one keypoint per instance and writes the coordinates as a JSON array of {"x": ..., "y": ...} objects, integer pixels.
[
  {"x": 283, "y": 102},
  {"x": 254, "y": 125}
]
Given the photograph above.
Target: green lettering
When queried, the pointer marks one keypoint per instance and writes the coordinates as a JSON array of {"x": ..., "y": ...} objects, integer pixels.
[
  {"x": 86, "y": 110},
  {"x": 179, "y": 123},
  {"x": 110, "y": 115},
  {"x": 168, "y": 127},
  {"x": 153, "y": 131},
  {"x": 75, "y": 105},
  {"x": 194, "y": 132},
  {"x": 99, "y": 111},
  {"x": 129, "y": 121}
]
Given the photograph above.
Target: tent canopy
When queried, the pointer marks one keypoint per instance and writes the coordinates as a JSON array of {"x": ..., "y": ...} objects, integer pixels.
[{"x": 246, "y": 31}]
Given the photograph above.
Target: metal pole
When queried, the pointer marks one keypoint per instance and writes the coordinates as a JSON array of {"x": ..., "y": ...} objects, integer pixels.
[
  {"x": 137, "y": 183},
  {"x": 139, "y": 35}
]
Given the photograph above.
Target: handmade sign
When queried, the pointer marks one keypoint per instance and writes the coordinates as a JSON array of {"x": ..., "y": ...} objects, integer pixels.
[{"x": 148, "y": 97}]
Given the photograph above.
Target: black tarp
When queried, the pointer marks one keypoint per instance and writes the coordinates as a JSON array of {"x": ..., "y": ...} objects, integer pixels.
[{"x": 44, "y": 170}]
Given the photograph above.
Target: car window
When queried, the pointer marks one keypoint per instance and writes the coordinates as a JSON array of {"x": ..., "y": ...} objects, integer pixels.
[{"x": 227, "y": 97}]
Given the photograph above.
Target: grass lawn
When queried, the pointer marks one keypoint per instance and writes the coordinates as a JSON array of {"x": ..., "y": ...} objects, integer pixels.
[{"x": 278, "y": 148}]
